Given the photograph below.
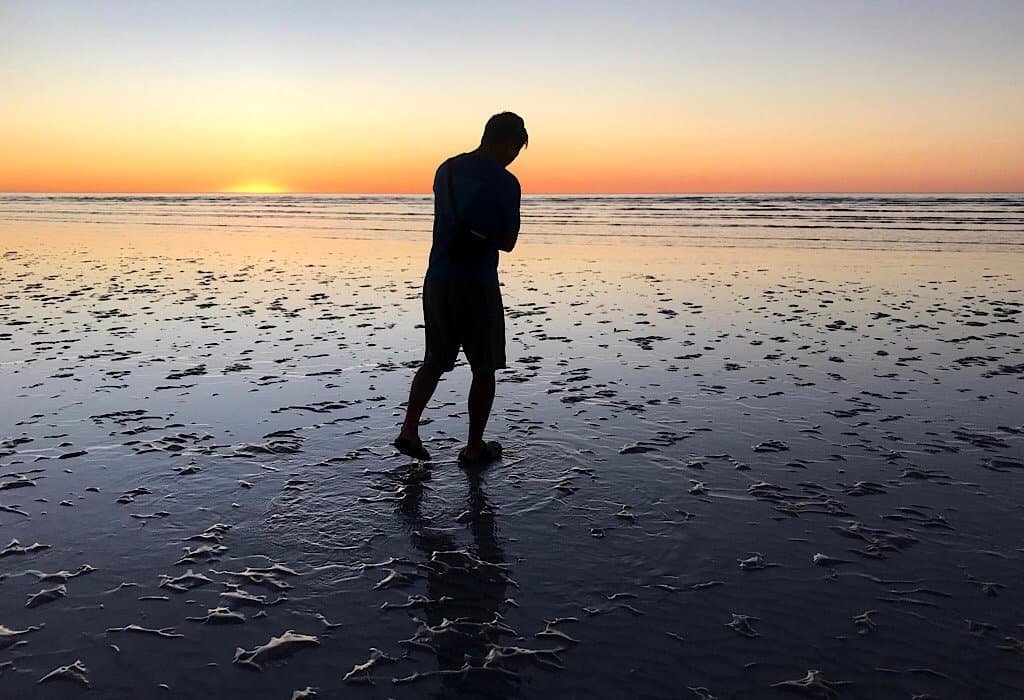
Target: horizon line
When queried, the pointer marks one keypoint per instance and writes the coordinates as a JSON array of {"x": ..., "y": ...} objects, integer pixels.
[{"x": 525, "y": 194}]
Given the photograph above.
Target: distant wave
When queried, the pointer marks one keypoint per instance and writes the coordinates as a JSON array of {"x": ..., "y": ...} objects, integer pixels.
[{"x": 948, "y": 222}]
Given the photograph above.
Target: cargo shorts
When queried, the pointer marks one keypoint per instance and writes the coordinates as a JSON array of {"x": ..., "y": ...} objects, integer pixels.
[{"x": 467, "y": 316}]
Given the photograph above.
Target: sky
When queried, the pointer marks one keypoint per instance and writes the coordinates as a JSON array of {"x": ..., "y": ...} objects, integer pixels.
[{"x": 361, "y": 97}]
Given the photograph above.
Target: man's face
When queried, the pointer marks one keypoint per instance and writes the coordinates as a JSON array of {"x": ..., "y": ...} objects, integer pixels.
[{"x": 510, "y": 153}]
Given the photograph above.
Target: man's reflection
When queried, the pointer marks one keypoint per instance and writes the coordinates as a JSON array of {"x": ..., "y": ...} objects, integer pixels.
[{"x": 466, "y": 587}]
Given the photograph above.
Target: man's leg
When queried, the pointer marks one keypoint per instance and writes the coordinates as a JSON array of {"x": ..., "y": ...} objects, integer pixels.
[
  {"x": 481, "y": 396},
  {"x": 484, "y": 343},
  {"x": 442, "y": 348},
  {"x": 423, "y": 386}
]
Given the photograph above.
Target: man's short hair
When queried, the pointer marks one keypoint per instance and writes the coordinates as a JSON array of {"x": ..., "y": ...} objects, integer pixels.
[{"x": 505, "y": 129}]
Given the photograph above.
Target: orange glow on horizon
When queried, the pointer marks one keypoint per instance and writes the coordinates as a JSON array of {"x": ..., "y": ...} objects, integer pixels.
[{"x": 217, "y": 148}]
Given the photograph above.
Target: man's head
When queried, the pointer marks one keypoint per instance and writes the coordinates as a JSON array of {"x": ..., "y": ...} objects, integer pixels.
[{"x": 504, "y": 136}]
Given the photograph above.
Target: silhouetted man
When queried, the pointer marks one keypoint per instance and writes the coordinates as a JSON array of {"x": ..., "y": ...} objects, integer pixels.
[{"x": 476, "y": 214}]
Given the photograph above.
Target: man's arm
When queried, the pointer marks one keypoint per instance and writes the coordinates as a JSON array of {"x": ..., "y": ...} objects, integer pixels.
[{"x": 510, "y": 218}]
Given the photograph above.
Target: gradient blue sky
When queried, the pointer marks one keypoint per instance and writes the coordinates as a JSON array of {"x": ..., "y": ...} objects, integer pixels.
[{"x": 645, "y": 96}]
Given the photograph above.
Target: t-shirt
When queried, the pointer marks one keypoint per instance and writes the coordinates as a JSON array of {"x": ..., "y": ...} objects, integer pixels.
[{"x": 487, "y": 197}]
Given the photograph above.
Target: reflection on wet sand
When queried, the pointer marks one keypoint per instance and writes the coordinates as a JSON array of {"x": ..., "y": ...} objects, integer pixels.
[{"x": 467, "y": 589}]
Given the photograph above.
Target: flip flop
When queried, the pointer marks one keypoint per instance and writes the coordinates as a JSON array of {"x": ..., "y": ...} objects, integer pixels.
[
  {"x": 411, "y": 449},
  {"x": 490, "y": 453}
]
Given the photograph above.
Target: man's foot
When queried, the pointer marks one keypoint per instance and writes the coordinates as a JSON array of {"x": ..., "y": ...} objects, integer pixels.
[
  {"x": 480, "y": 455},
  {"x": 411, "y": 447}
]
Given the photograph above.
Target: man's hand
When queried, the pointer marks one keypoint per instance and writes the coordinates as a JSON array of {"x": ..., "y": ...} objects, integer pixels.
[{"x": 508, "y": 241}]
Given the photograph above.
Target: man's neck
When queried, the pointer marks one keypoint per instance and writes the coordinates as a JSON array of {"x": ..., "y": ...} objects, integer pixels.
[{"x": 486, "y": 152}]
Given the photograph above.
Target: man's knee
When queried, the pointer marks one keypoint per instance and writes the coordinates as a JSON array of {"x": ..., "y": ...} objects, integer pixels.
[
  {"x": 484, "y": 376},
  {"x": 430, "y": 370}
]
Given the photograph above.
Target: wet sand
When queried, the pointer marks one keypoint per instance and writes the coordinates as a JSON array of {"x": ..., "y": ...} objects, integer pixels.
[{"x": 728, "y": 473}]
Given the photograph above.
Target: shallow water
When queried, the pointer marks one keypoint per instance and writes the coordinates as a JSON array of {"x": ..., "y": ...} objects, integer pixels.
[
  {"x": 887, "y": 222},
  {"x": 669, "y": 411}
]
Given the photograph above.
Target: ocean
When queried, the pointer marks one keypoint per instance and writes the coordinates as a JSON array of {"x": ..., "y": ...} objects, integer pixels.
[{"x": 903, "y": 222}]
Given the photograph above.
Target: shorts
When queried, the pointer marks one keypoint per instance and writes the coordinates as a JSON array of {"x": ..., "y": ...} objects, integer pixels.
[{"x": 466, "y": 315}]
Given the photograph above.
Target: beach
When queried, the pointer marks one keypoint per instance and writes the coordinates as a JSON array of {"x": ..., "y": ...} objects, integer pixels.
[{"x": 763, "y": 447}]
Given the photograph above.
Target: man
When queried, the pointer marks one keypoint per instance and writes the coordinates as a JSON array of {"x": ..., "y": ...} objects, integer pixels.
[{"x": 476, "y": 214}]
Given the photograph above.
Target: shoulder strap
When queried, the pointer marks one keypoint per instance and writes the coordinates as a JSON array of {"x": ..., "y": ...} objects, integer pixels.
[{"x": 451, "y": 192}]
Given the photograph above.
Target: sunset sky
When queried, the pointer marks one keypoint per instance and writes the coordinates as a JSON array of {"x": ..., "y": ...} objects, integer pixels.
[{"x": 674, "y": 96}]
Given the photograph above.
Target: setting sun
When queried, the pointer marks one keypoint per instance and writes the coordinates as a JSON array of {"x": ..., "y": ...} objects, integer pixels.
[{"x": 256, "y": 187}]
